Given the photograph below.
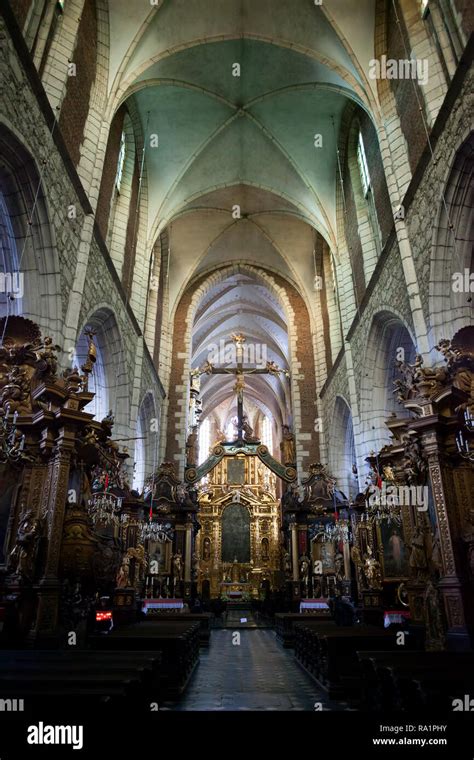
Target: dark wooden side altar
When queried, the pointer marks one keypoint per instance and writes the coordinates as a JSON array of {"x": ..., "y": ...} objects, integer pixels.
[{"x": 59, "y": 468}]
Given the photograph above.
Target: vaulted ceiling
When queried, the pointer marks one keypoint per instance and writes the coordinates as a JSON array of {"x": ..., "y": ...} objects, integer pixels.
[{"x": 248, "y": 139}]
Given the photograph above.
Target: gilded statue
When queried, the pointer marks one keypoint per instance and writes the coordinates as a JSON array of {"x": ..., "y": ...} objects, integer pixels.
[
  {"x": 287, "y": 446},
  {"x": 372, "y": 571},
  {"x": 239, "y": 385}
]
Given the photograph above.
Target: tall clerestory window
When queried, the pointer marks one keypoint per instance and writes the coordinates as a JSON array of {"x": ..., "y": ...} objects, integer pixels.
[
  {"x": 267, "y": 434},
  {"x": 368, "y": 193},
  {"x": 120, "y": 163},
  {"x": 204, "y": 440}
]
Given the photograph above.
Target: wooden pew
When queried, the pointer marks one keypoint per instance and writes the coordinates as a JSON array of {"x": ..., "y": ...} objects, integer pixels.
[
  {"x": 178, "y": 643},
  {"x": 285, "y": 621},
  {"x": 410, "y": 681},
  {"x": 329, "y": 653},
  {"x": 203, "y": 618},
  {"x": 103, "y": 677}
]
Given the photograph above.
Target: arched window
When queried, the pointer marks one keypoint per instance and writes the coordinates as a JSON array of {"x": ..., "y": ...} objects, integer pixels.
[
  {"x": 120, "y": 162},
  {"x": 11, "y": 280},
  {"x": 204, "y": 440},
  {"x": 368, "y": 192},
  {"x": 99, "y": 406},
  {"x": 230, "y": 431},
  {"x": 267, "y": 433}
]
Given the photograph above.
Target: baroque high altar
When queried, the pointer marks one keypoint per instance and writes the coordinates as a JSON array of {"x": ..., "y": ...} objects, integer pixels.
[{"x": 239, "y": 542}]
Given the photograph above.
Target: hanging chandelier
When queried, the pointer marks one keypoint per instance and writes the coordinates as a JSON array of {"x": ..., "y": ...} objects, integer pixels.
[
  {"x": 462, "y": 444},
  {"x": 106, "y": 509},
  {"x": 155, "y": 531},
  {"x": 336, "y": 531}
]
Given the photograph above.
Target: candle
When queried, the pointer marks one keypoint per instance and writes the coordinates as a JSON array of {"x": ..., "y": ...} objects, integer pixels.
[
  {"x": 22, "y": 443},
  {"x": 15, "y": 416}
]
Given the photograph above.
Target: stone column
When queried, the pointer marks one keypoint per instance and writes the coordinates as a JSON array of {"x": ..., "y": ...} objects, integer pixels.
[
  {"x": 188, "y": 552},
  {"x": 450, "y": 584},
  {"x": 54, "y": 507},
  {"x": 294, "y": 552}
]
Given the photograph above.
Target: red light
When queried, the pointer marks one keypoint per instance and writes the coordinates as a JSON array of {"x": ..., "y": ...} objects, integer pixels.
[{"x": 100, "y": 616}]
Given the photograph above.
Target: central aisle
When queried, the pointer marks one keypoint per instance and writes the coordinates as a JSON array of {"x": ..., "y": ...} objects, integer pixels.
[{"x": 258, "y": 674}]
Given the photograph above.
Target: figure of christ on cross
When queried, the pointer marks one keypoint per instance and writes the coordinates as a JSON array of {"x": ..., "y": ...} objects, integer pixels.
[{"x": 271, "y": 368}]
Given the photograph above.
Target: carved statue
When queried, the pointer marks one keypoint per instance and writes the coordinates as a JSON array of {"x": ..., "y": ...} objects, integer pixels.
[
  {"x": 287, "y": 446},
  {"x": 23, "y": 555},
  {"x": 107, "y": 423},
  {"x": 287, "y": 563},
  {"x": 413, "y": 462},
  {"x": 239, "y": 385},
  {"x": 372, "y": 571},
  {"x": 46, "y": 358},
  {"x": 418, "y": 562},
  {"x": 192, "y": 445},
  {"x": 304, "y": 568},
  {"x": 339, "y": 568},
  {"x": 433, "y": 618},
  {"x": 436, "y": 561},
  {"x": 123, "y": 575},
  {"x": 248, "y": 429},
  {"x": 290, "y": 498},
  {"x": 178, "y": 566},
  {"x": 317, "y": 586},
  {"x": 16, "y": 393},
  {"x": 195, "y": 566},
  {"x": 138, "y": 554}
]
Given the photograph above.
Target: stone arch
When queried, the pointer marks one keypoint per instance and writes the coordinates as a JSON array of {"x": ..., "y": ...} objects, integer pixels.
[
  {"x": 301, "y": 352},
  {"x": 342, "y": 454},
  {"x": 450, "y": 306},
  {"x": 146, "y": 445},
  {"x": 112, "y": 381},
  {"x": 31, "y": 235},
  {"x": 389, "y": 339}
]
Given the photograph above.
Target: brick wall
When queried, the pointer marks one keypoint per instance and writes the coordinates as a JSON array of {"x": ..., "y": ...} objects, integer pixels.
[
  {"x": 404, "y": 91},
  {"x": 76, "y": 102},
  {"x": 109, "y": 172},
  {"x": 302, "y": 364},
  {"x": 20, "y": 8}
]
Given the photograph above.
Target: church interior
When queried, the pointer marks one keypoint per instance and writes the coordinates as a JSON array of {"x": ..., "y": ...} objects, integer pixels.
[{"x": 237, "y": 355}]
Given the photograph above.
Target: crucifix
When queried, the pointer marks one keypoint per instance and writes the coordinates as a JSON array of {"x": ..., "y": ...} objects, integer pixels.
[{"x": 240, "y": 370}]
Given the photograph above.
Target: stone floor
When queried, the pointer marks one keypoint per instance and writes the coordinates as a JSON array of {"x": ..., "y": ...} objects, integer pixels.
[{"x": 258, "y": 674}]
